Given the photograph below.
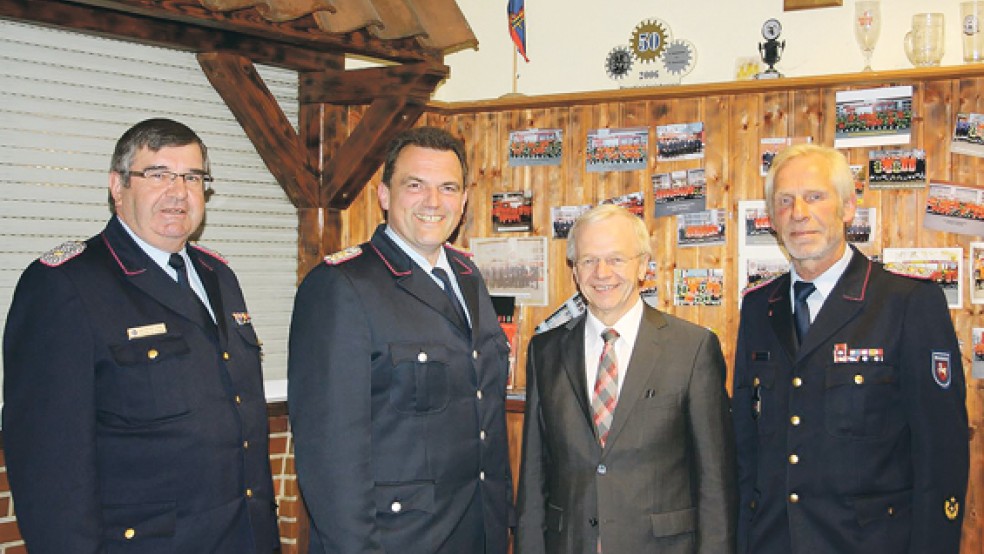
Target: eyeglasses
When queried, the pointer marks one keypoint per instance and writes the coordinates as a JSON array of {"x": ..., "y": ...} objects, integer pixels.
[
  {"x": 161, "y": 177},
  {"x": 614, "y": 262}
]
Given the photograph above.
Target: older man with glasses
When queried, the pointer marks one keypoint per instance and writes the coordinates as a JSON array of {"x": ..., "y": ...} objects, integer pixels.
[
  {"x": 627, "y": 441},
  {"x": 134, "y": 417}
]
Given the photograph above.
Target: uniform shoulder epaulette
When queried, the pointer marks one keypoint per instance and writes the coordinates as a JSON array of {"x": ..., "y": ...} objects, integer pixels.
[
  {"x": 462, "y": 251},
  {"x": 343, "y": 255},
  {"x": 62, "y": 253},
  {"x": 750, "y": 290},
  {"x": 211, "y": 253}
]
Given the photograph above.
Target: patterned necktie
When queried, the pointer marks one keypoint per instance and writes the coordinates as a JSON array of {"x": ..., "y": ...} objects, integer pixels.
[
  {"x": 801, "y": 310},
  {"x": 452, "y": 297},
  {"x": 606, "y": 387},
  {"x": 178, "y": 263}
]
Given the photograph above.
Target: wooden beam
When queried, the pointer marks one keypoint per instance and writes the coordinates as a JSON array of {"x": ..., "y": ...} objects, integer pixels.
[
  {"x": 354, "y": 163},
  {"x": 186, "y": 25},
  {"x": 362, "y": 86},
  {"x": 396, "y": 96},
  {"x": 256, "y": 109}
]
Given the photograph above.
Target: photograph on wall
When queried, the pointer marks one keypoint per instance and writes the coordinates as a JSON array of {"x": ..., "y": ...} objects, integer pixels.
[
  {"x": 505, "y": 312},
  {"x": 534, "y": 147},
  {"x": 976, "y": 273},
  {"x": 571, "y": 308},
  {"x": 977, "y": 370},
  {"x": 512, "y": 212},
  {"x": 635, "y": 202},
  {"x": 873, "y": 117},
  {"x": 515, "y": 266},
  {"x": 968, "y": 135},
  {"x": 862, "y": 229},
  {"x": 944, "y": 266},
  {"x": 860, "y": 173},
  {"x": 617, "y": 149},
  {"x": 955, "y": 209},
  {"x": 649, "y": 290},
  {"x": 562, "y": 219},
  {"x": 698, "y": 287},
  {"x": 680, "y": 192},
  {"x": 757, "y": 230},
  {"x": 897, "y": 169},
  {"x": 759, "y": 268},
  {"x": 701, "y": 229},
  {"x": 680, "y": 141},
  {"x": 770, "y": 147}
]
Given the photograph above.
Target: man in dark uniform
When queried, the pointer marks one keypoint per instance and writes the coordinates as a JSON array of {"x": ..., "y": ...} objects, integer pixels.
[
  {"x": 134, "y": 417},
  {"x": 849, "y": 392},
  {"x": 397, "y": 376}
]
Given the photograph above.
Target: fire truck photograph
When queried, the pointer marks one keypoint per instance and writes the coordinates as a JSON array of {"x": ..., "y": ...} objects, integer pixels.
[
  {"x": 702, "y": 228},
  {"x": 617, "y": 149},
  {"x": 895, "y": 167},
  {"x": 682, "y": 141},
  {"x": 634, "y": 202},
  {"x": 697, "y": 287},
  {"x": 758, "y": 227},
  {"x": 943, "y": 269},
  {"x": 681, "y": 191},
  {"x": 877, "y": 116},
  {"x": 535, "y": 147},
  {"x": 512, "y": 211}
]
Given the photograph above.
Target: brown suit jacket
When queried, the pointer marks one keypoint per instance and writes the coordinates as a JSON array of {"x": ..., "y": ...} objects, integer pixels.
[{"x": 665, "y": 482}]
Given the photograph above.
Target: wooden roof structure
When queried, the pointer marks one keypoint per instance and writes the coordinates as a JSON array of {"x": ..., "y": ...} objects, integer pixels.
[{"x": 320, "y": 165}]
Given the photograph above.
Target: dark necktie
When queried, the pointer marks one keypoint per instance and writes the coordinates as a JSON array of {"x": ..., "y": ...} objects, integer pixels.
[
  {"x": 606, "y": 387},
  {"x": 452, "y": 297},
  {"x": 178, "y": 263},
  {"x": 801, "y": 311}
]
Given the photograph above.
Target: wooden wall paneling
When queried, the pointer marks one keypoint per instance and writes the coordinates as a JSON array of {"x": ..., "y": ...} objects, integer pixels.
[
  {"x": 719, "y": 168},
  {"x": 662, "y": 229},
  {"x": 966, "y": 170}
]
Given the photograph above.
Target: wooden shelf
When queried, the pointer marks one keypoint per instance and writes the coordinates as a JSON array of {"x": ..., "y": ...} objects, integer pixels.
[{"x": 903, "y": 76}]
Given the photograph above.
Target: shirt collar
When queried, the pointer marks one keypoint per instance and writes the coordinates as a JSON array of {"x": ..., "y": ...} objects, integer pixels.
[
  {"x": 828, "y": 279},
  {"x": 442, "y": 257},
  {"x": 159, "y": 256},
  {"x": 627, "y": 326}
]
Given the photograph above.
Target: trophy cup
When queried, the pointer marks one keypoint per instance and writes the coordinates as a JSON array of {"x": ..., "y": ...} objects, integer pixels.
[{"x": 771, "y": 50}]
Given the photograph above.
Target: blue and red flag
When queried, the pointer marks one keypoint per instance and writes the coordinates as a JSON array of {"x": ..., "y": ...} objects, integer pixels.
[{"x": 517, "y": 25}]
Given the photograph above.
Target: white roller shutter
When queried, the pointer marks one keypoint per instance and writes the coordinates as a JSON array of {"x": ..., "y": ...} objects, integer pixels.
[{"x": 65, "y": 98}]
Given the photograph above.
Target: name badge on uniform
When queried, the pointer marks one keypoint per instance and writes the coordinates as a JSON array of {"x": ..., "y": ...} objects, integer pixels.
[{"x": 146, "y": 331}]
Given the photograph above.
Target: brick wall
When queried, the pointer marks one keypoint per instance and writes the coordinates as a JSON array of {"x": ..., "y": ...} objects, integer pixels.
[{"x": 292, "y": 518}]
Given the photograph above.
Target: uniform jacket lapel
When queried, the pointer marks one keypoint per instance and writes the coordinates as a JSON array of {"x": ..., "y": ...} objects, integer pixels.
[
  {"x": 781, "y": 314},
  {"x": 844, "y": 303},
  {"x": 143, "y": 273},
  {"x": 411, "y": 278},
  {"x": 646, "y": 356},
  {"x": 211, "y": 282},
  {"x": 467, "y": 282}
]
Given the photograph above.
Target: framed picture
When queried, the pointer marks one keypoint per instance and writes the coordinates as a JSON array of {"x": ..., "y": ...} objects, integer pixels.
[{"x": 790, "y": 5}]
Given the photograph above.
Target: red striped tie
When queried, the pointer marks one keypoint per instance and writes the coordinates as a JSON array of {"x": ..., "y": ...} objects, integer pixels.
[{"x": 606, "y": 387}]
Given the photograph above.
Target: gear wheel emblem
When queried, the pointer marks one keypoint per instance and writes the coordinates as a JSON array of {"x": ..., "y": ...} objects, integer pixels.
[
  {"x": 649, "y": 40},
  {"x": 618, "y": 63},
  {"x": 678, "y": 58}
]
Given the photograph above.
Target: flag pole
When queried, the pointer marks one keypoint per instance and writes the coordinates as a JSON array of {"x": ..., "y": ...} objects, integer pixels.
[{"x": 515, "y": 73}]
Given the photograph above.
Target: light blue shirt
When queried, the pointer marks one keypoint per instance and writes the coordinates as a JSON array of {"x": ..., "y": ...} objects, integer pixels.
[
  {"x": 442, "y": 262},
  {"x": 161, "y": 258},
  {"x": 824, "y": 283}
]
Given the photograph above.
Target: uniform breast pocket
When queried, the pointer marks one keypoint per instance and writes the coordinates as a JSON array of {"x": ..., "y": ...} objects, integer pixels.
[
  {"x": 756, "y": 394},
  {"x": 420, "y": 382},
  {"x": 146, "y": 383},
  {"x": 861, "y": 400}
]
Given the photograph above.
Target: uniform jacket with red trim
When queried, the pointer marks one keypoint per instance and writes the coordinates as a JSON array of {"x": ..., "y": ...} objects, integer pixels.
[
  {"x": 857, "y": 441},
  {"x": 398, "y": 413},
  {"x": 125, "y": 420}
]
